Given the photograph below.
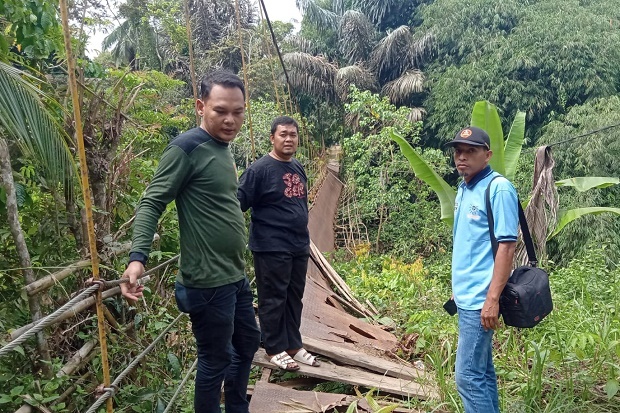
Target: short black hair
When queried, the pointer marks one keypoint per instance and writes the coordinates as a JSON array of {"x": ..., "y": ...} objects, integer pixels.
[
  {"x": 283, "y": 120},
  {"x": 220, "y": 77}
]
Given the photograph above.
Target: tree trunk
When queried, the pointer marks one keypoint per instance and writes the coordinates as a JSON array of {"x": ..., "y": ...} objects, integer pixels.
[{"x": 22, "y": 251}]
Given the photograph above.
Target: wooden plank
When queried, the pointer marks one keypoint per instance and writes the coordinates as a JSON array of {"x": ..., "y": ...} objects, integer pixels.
[
  {"x": 349, "y": 375},
  {"x": 367, "y": 361}
]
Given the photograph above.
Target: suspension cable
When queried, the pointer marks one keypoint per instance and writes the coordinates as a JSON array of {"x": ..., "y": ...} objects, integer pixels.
[
  {"x": 110, "y": 391},
  {"x": 47, "y": 320},
  {"x": 585, "y": 134},
  {"x": 181, "y": 386},
  {"x": 58, "y": 314}
]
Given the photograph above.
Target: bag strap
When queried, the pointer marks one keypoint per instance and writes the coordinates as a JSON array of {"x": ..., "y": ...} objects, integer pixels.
[{"x": 525, "y": 230}]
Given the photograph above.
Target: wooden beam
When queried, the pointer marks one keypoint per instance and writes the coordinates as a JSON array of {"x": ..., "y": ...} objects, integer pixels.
[
  {"x": 367, "y": 361},
  {"x": 358, "y": 377}
]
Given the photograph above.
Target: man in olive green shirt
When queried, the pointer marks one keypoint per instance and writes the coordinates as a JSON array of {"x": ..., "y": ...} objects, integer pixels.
[{"x": 197, "y": 171}]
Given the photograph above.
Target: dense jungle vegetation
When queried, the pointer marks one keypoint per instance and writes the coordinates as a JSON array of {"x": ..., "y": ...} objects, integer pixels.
[{"x": 360, "y": 71}]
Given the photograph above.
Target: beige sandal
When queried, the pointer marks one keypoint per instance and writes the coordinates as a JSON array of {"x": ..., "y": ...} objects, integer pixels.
[
  {"x": 304, "y": 357},
  {"x": 284, "y": 361}
]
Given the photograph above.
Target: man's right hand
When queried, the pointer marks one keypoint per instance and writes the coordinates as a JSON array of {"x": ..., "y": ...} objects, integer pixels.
[{"x": 131, "y": 290}]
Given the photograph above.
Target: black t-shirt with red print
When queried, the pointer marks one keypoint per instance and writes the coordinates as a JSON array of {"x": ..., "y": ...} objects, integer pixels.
[{"x": 277, "y": 193}]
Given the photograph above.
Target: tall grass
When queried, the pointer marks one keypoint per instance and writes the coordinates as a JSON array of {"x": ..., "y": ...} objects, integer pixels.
[{"x": 568, "y": 363}]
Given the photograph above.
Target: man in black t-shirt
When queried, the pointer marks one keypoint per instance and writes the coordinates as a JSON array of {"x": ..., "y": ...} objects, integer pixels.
[{"x": 275, "y": 188}]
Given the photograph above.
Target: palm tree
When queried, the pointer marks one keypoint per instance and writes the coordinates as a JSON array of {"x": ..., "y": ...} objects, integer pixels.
[
  {"x": 388, "y": 64},
  {"x": 29, "y": 125}
]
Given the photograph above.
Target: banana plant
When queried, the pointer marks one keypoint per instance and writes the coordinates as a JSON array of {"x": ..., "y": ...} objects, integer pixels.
[
  {"x": 583, "y": 184},
  {"x": 504, "y": 159}
]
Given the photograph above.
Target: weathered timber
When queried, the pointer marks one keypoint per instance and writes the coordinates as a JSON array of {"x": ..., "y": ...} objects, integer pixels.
[
  {"x": 367, "y": 361},
  {"x": 274, "y": 398},
  {"x": 357, "y": 377}
]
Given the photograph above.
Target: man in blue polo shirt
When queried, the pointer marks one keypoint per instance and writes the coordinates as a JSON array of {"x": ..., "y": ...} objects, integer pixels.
[{"x": 478, "y": 279}]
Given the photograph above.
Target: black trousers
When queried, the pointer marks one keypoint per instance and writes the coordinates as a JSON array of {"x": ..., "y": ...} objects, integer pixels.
[{"x": 280, "y": 283}]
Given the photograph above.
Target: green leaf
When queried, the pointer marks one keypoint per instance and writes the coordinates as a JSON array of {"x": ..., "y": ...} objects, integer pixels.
[
  {"x": 611, "y": 388},
  {"x": 352, "y": 407},
  {"x": 5, "y": 398},
  {"x": 15, "y": 391},
  {"x": 174, "y": 364},
  {"x": 485, "y": 116},
  {"x": 424, "y": 172},
  {"x": 514, "y": 143},
  {"x": 566, "y": 217},
  {"x": 584, "y": 183}
]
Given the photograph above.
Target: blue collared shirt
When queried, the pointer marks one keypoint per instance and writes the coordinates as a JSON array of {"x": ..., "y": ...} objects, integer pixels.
[{"x": 472, "y": 256}]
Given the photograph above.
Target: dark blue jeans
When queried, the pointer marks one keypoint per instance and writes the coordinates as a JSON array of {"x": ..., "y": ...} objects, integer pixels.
[{"x": 227, "y": 337}]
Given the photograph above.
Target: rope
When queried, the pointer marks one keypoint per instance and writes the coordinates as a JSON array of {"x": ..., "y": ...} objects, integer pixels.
[
  {"x": 112, "y": 389},
  {"x": 181, "y": 386}
]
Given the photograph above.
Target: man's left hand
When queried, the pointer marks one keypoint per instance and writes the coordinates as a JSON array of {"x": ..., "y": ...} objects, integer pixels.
[{"x": 489, "y": 316}]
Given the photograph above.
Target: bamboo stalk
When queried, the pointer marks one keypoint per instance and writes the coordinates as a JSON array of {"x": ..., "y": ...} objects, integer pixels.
[
  {"x": 86, "y": 193},
  {"x": 190, "y": 44},
  {"x": 49, "y": 280},
  {"x": 245, "y": 80}
]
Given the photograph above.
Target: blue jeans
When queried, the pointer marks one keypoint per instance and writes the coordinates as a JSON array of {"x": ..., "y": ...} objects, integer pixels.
[
  {"x": 227, "y": 337},
  {"x": 475, "y": 375}
]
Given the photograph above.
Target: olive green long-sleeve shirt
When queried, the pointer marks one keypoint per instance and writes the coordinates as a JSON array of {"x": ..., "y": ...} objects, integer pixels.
[{"x": 198, "y": 173}]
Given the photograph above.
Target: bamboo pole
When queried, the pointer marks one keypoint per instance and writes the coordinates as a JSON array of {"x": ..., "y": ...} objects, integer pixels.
[
  {"x": 245, "y": 80},
  {"x": 86, "y": 193},
  {"x": 192, "y": 68}
]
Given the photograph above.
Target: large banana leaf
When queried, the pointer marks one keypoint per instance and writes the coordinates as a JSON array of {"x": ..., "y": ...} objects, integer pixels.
[
  {"x": 426, "y": 173},
  {"x": 485, "y": 116},
  {"x": 584, "y": 183},
  {"x": 26, "y": 121},
  {"x": 514, "y": 143},
  {"x": 569, "y": 216}
]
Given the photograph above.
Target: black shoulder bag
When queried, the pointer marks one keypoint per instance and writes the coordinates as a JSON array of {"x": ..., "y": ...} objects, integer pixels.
[{"x": 526, "y": 298}]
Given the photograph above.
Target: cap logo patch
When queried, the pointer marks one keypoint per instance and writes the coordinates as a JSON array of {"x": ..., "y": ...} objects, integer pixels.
[{"x": 466, "y": 133}]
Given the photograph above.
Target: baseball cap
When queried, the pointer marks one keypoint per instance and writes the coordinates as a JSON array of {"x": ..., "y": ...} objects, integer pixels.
[{"x": 471, "y": 135}]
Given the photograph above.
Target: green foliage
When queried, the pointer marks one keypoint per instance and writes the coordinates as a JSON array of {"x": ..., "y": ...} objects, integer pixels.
[
  {"x": 539, "y": 57},
  {"x": 570, "y": 362},
  {"x": 32, "y": 27},
  {"x": 392, "y": 202}
]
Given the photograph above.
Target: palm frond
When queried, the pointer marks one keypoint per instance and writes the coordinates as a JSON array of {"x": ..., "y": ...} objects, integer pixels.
[
  {"x": 339, "y": 7},
  {"x": 354, "y": 75},
  {"x": 24, "y": 118},
  {"x": 421, "y": 46},
  {"x": 375, "y": 10},
  {"x": 393, "y": 55},
  {"x": 313, "y": 75},
  {"x": 357, "y": 36},
  {"x": 317, "y": 15},
  {"x": 117, "y": 35},
  {"x": 303, "y": 45},
  {"x": 416, "y": 115},
  {"x": 402, "y": 89}
]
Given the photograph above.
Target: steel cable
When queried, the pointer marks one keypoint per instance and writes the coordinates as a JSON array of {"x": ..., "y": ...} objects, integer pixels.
[{"x": 109, "y": 392}]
